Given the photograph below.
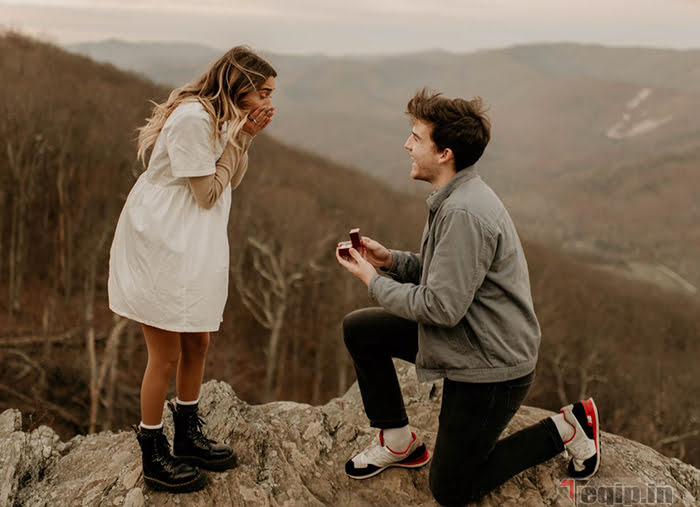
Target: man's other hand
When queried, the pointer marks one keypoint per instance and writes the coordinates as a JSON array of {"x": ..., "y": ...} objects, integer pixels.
[{"x": 376, "y": 254}]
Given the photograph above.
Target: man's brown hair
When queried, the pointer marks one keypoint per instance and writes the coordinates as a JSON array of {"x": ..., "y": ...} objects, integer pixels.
[{"x": 458, "y": 124}]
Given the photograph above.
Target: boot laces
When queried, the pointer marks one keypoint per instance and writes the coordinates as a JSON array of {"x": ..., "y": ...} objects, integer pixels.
[
  {"x": 198, "y": 427},
  {"x": 161, "y": 449}
]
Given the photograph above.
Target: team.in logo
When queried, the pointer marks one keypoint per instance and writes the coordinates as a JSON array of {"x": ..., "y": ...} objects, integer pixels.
[{"x": 617, "y": 494}]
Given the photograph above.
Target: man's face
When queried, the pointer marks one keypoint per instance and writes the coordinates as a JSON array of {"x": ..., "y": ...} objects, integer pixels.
[{"x": 423, "y": 151}]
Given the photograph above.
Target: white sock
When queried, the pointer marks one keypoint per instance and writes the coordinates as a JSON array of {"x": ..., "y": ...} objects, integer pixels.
[
  {"x": 151, "y": 426},
  {"x": 398, "y": 439},
  {"x": 180, "y": 402},
  {"x": 566, "y": 431}
]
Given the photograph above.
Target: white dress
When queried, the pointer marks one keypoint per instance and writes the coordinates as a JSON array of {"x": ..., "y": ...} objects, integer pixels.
[{"x": 169, "y": 259}]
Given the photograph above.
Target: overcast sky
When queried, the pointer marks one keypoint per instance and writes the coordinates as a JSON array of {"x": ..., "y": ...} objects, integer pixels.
[{"x": 361, "y": 26}]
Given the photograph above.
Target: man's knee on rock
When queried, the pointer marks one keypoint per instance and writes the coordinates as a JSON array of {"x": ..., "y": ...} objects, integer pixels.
[
  {"x": 452, "y": 493},
  {"x": 452, "y": 500},
  {"x": 445, "y": 497}
]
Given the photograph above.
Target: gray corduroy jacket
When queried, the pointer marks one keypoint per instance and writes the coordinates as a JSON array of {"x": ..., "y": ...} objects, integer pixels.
[{"x": 468, "y": 289}]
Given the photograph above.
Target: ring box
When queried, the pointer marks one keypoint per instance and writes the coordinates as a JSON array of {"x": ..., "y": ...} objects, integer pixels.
[
  {"x": 344, "y": 249},
  {"x": 345, "y": 246},
  {"x": 355, "y": 239}
]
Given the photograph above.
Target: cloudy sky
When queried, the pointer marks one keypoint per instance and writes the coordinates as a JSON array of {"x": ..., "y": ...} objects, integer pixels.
[{"x": 361, "y": 26}]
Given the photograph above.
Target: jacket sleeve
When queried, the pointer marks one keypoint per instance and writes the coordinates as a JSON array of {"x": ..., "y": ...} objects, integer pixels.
[
  {"x": 230, "y": 168},
  {"x": 406, "y": 267},
  {"x": 462, "y": 257}
]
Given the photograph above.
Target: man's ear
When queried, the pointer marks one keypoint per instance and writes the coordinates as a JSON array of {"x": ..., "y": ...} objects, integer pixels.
[{"x": 447, "y": 155}]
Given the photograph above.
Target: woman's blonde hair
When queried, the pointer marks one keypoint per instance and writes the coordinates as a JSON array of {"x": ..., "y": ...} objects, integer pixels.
[{"x": 220, "y": 90}]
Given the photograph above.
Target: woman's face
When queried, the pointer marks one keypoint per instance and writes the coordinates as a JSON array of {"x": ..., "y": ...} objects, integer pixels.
[{"x": 260, "y": 97}]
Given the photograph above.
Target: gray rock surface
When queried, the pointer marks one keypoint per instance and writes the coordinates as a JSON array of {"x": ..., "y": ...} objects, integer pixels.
[{"x": 293, "y": 454}]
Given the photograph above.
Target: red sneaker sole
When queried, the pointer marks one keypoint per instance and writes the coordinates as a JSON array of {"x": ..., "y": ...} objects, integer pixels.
[
  {"x": 591, "y": 408},
  {"x": 417, "y": 462}
]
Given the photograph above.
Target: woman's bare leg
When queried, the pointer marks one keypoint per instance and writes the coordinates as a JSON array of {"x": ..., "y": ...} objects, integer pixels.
[
  {"x": 163, "y": 354},
  {"x": 190, "y": 370}
]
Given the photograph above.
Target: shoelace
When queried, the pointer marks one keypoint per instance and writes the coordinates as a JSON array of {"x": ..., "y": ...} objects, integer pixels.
[
  {"x": 161, "y": 449},
  {"x": 374, "y": 455},
  {"x": 581, "y": 447},
  {"x": 199, "y": 425}
]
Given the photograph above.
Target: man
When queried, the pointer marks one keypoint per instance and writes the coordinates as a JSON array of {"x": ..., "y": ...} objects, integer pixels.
[{"x": 462, "y": 311}]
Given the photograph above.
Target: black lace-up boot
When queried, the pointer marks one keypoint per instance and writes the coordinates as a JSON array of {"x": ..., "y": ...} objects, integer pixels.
[
  {"x": 161, "y": 470},
  {"x": 192, "y": 446}
]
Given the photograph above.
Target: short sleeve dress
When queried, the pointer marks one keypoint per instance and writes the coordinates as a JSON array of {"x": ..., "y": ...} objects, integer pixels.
[{"x": 169, "y": 259}]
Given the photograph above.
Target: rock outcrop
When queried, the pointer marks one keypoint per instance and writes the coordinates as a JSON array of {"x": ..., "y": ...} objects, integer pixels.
[{"x": 293, "y": 454}]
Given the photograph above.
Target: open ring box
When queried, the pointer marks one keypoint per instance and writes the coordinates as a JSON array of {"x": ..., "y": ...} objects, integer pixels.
[{"x": 345, "y": 246}]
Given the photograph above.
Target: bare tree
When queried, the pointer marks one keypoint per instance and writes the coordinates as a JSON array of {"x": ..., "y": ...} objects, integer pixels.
[
  {"x": 3, "y": 198},
  {"x": 24, "y": 156},
  {"x": 587, "y": 373},
  {"x": 559, "y": 366},
  {"x": 318, "y": 282},
  {"x": 64, "y": 179},
  {"x": 107, "y": 376},
  {"x": 97, "y": 377},
  {"x": 341, "y": 356},
  {"x": 267, "y": 297}
]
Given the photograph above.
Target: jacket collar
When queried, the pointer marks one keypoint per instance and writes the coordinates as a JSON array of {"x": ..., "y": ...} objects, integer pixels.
[{"x": 436, "y": 198}]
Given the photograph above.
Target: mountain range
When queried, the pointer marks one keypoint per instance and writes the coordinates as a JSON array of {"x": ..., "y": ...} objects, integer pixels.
[{"x": 594, "y": 149}]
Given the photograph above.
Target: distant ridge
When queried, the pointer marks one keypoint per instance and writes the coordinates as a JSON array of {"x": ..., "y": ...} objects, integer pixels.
[
  {"x": 153, "y": 59},
  {"x": 662, "y": 68}
]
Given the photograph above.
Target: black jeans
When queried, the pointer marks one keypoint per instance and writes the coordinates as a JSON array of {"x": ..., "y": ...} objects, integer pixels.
[{"x": 469, "y": 460}]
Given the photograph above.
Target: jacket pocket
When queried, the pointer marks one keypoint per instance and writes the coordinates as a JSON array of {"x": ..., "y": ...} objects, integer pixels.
[
  {"x": 454, "y": 348},
  {"x": 469, "y": 335},
  {"x": 459, "y": 339}
]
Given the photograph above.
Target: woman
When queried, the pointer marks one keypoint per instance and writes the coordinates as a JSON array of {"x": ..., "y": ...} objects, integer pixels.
[{"x": 169, "y": 258}]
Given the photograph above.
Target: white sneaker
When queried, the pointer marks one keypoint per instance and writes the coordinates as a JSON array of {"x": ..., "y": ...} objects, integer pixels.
[
  {"x": 378, "y": 457},
  {"x": 584, "y": 445}
]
